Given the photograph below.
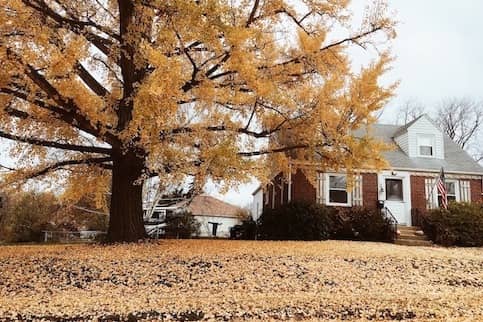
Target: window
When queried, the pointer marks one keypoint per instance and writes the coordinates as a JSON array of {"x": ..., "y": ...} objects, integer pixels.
[
  {"x": 159, "y": 214},
  {"x": 394, "y": 189},
  {"x": 450, "y": 192},
  {"x": 426, "y": 145},
  {"x": 338, "y": 190}
]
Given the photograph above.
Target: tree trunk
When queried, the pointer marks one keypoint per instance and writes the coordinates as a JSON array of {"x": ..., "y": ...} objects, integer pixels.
[{"x": 126, "y": 211}]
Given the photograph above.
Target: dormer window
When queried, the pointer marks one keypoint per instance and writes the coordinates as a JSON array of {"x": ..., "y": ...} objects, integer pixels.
[{"x": 426, "y": 145}]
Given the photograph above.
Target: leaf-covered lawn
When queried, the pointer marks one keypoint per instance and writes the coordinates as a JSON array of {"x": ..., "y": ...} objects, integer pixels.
[{"x": 203, "y": 279}]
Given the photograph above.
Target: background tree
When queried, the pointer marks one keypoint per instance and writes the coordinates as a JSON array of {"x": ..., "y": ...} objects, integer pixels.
[
  {"x": 409, "y": 110},
  {"x": 28, "y": 213},
  {"x": 461, "y": 119},
  {"x": 112, "y": 92}
]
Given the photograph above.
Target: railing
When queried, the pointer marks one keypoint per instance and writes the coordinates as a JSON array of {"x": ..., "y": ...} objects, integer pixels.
[{"x": 393, "y": 220}]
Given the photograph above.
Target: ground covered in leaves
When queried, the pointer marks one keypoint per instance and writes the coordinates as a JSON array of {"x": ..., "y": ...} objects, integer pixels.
[{"x": 237, "y": 280}]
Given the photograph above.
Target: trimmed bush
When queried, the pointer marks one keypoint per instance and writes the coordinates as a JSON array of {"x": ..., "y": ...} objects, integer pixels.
[
  {"x": 295, "y": 221},
  {"x": 358, "y": 223},
  {"x": 304, "y": 221},
  {"x": 460, "y": 225}
]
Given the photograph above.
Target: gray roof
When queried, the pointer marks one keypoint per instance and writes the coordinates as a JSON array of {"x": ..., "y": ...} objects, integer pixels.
[
  {"x": 455, "y": 158},
  {"x": 405, "y": 127}
]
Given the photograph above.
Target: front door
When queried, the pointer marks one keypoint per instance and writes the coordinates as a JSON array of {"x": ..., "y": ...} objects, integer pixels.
[{"x": 395, "y": 191}]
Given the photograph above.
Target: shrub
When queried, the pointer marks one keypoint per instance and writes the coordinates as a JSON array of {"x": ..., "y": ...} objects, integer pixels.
[
  {"x": 248, "y": 230},
  {"x": 358, "y": 223},
  {"x": 304, "y": 221},
  {"x": 182, "y": 225},
  {"x": 295, "y": 221},
  {"x": 460, "y": 225},
  {"x": 27, "y": 215}
]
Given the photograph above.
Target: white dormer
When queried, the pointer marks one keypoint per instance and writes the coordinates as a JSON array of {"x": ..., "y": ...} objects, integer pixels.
[{"x": 421, "y": 138}]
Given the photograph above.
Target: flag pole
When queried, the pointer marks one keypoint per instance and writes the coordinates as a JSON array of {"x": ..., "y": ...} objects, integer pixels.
[{"x": 431, "y": 193}]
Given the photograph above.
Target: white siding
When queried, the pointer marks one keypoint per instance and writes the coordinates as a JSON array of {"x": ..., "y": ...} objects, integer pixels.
[
  {"x": 257, "y": 205},
  {"x": 223, "y": 230},
  {"x": 424, "y": 127},
  {"x": 402, "y": 141}
]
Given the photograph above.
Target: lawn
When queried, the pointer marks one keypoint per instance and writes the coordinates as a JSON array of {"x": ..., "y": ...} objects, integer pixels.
[{"x": 237, "y": 280}]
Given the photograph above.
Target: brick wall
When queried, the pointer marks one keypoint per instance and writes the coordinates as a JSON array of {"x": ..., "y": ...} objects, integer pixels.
[
  {"x": 302, "y": 189},
  {"x": 369, "y": 190},
  {"x": 475, "y": 187},
  {"x": 418, "y": 193}
]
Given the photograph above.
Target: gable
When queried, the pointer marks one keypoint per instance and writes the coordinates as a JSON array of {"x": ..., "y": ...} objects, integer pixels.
[
  {"x": 456, "y": 160},
  {"x": 421, "y": 138}
]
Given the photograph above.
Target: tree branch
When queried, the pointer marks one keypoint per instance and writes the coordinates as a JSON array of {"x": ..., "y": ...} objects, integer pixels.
[
  {"x": 251, "y": 18},
  {"x": 59, "y": 165},
  {"x": 56, "y": 145},
  {"x": 77, "y": 27},
  {"x": 271, "y": 151},
  {"x": 91, "y": 81},
  {"x": 71, "y": 114}
]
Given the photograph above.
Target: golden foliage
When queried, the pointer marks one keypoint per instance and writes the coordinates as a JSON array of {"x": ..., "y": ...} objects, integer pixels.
[
  {"x": 238, "y": 280},
  {"x": 193, "y": 88}
]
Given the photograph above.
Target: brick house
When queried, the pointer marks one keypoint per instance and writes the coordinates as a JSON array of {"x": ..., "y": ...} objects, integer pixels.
[{"x": 404, "y": 188}]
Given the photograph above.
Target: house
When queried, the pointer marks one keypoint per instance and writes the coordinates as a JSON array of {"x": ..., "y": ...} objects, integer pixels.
[
  {"x": 405, "y": 188},
  {"x": 215, "y": 216}
]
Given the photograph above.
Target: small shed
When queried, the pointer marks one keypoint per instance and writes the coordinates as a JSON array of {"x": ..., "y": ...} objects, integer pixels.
[{"x": 215, "y": 216}]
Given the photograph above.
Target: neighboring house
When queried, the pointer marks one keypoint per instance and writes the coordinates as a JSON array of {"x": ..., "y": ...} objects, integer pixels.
[
  {"x": 404, "y": 188},
  {"x": 215, "y": 217}
]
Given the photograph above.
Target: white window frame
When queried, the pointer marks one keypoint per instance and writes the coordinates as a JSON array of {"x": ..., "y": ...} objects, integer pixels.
[
  {"x": 456, "y": 191},
  {"x": 327, "y": 191},
  {"x": 432, "y": 138}
]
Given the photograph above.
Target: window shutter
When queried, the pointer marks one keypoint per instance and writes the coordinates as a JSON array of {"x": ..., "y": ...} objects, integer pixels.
[
  {"x": 428, "y": 193},
  {"x": 321, "y": 188},
  {"x": 465, "y": 192},
  {"x": 357, "y": 191}
]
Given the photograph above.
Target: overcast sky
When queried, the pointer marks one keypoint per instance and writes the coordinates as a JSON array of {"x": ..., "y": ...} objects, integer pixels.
[{"x": 439, "y": 54}]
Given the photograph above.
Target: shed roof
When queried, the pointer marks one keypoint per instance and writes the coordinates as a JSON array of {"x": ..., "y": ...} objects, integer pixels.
[{"x": 204, "y": 205}]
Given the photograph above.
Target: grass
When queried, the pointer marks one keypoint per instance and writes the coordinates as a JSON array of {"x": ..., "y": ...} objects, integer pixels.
[{"x": 239, "y": 280}]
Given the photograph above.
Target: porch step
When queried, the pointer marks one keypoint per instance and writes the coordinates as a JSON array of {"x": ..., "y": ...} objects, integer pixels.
[
  {"x": 404, "y": 236},
  {"x": 408, "y": 228},
  {"x": 413, "y": 242},
  {"x": 412, "y": 236}
]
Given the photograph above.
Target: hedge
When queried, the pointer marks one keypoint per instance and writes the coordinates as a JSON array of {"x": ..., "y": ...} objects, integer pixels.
[{"x": 459, "y": 225}]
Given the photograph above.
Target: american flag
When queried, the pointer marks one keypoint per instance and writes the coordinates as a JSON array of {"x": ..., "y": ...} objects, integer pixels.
[{"x": 442, "y": 189}]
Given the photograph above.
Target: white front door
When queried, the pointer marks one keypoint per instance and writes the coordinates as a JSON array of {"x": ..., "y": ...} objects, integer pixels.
[{"x": 394, "y": 189}]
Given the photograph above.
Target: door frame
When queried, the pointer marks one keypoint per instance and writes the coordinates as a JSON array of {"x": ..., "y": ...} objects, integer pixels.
[{"x": 406, "y": 182}]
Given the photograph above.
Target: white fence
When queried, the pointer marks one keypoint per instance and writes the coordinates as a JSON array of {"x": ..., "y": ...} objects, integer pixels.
[{"x": 71, "y": 236}]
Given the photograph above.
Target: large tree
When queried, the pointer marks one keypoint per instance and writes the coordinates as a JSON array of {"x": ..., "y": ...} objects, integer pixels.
[{"x": 124, "y": 90}]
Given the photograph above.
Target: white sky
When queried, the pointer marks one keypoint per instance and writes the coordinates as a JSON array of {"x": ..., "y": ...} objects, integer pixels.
[{"x": 439, "y": 54}]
